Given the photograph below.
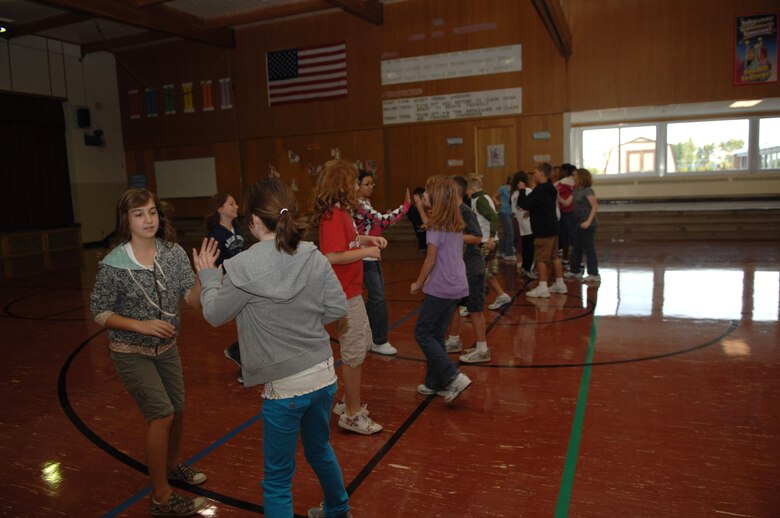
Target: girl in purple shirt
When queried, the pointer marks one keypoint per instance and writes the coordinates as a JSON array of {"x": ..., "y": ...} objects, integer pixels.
[{"x": 443, "y": 280}]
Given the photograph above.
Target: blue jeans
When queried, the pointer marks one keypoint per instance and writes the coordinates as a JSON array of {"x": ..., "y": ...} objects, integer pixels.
[
  {"x": 435, "y": 316},
  {"x": 506, "y": 245},
  {"x": 376, "y": 307},
  {"x": 282, "y": 420},
  {"x": 584, "y": 242}
]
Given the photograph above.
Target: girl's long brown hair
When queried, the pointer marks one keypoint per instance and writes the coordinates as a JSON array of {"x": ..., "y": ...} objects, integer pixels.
[
  {"x": 445, "y": 205},
  {"x": 337, "y": 183},
  {"x": 216, "y": 201},
  {"x": 132, "y": 199},
  {"x": 275, "y": 204}
]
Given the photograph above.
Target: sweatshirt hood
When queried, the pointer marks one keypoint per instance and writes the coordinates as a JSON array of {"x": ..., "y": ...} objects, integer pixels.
[
  {"x": 118, "y": 258},
  {"x": 263, "y": 271}
]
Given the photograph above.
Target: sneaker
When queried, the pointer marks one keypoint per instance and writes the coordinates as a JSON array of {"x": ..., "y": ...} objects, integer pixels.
[
  {"x": 528, "y": 273},
  {"x": 453, "y": 390},
  {"x": 240, "y": 377},
  {"x": 538, "y": 292},
  {"x": 573, "y": 275},
  {"x": 233, "y": 353},
  {"x": 510, "y": 259},
  {"x": 500, "y": 301},
  {"x": 476, "y": 356},
  {"x": 464, "y": 312},
  {"x": 555, "y": 288},
  {"x": 184, "y": 473},
  {"x": 340, "y": 407},
  {"x": 453, "y": 345},
  {"x": 359, "y": 423},
  {"x": 424, "y": 390},
  {"x": 592, "y": 278},
  {"x": 319, "y": 512},
  {"x": 384, "y": 348},
  {"x": 177, "y": 505}
]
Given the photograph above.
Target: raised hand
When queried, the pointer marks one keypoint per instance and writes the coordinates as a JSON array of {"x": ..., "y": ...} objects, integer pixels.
[{"x": 207, "y": 257}]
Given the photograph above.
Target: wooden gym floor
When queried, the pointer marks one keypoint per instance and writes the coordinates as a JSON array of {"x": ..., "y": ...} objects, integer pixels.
[{"x": 653, "y": 395}]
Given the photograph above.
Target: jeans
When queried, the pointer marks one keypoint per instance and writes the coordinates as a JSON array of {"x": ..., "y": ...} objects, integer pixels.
[
  {"x": 584, "y": 242},
  {"x": 566, "y": 230},
  {"x": 376, "y": 307},
  {"x": 506, "y": 245},
  {"x": 283, "y": 419},
  {"x": 528, "y": 252},
  {"x": 435, "y": 316}
]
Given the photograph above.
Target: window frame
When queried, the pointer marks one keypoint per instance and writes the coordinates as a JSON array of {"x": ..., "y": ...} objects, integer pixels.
[{"x": 660, "y": 170}]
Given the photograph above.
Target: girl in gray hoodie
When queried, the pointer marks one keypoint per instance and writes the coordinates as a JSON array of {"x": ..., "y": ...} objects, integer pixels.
[{"x": 282, "y": 292}]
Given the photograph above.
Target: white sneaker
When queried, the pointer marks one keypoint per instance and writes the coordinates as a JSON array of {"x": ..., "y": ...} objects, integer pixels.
[
  {"x": 385, "y": 348},
  {"x": 424, "y": 390},
  {"x": 453, "y": 390},
  {"x": 592, "y": 278},
  {"x": 555, "y": 288},
  {"x": 539, "y": 292},
  {"x": 464, "y": 312},
  {"x": 453, "y": 345},
  {"x": 476, "y": 356},
  {"x": 570, "y": 275},
  {"x": 528, "y": 273},
  {"x": 500, "y": 301},
  {"x": 340, "y": 407},
  {"x": 359, "y": 423}
]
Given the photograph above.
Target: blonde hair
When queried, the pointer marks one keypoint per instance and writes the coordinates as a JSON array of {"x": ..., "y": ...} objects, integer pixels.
[
  {"x": 337, "y": 183},
  {"x": 445, "y": 205}
]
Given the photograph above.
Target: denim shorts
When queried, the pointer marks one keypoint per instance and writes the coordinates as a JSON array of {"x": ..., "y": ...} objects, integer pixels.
[
  {"x": 475, "y": 302},
  {"x": 156, "y": 383}
]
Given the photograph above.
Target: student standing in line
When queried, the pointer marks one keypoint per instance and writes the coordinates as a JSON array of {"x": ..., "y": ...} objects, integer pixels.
[
  {"x": 483, "y": 206},
  {"x": 506, "y": 246},
  {"x": 541, "y": 203},
  {"x": 585, "y": 208},
  {"x": 523, "y": 220},
  {"x": 335, "y": 199},
  {"x": 443, "y": 280},
  {"x": 137, "y": 291},
  {"x": 415, "y": 217},
  {"x": 221, "y": 226},
  {"x": 567, "y": 228},
  {"x": 282, "y": 292},
  {"x": 371, "y": 223},
  {"x": 475, "y": 275}
]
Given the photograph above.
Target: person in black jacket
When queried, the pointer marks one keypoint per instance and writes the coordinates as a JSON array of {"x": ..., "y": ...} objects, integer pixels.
[{"x": 540, "y": 203}]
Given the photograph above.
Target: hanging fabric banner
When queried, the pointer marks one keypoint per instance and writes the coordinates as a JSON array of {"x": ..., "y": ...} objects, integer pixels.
[
  {"x": 134, "y": 108},
  {"x": 151, "y": 102},
  {"x": 170, "y": 104},
  {"x": 206, "y": 94},
  {"x": 225, "y": 90},
  {"x": 186, "y": 89}
]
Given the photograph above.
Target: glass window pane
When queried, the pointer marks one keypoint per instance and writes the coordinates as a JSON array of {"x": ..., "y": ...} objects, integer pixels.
[
  {"x": 596, "y": 147},
  {"x": 769, "y": 143},
  {"x": 707, "y": 146},
  {"x": 637, "y": 149}
]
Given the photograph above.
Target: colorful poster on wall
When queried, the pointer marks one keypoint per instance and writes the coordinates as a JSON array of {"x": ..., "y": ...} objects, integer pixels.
[
  {"x": 495, "y": 155},
  {"x": 755, "y": 49}
]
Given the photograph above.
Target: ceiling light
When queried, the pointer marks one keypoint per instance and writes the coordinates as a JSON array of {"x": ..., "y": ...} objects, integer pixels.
[{"x": 744, "y": 104}]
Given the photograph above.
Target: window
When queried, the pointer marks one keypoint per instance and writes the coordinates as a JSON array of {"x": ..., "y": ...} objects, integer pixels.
[
  {"x": 746, "y": 143},
  {"x": 719, "y": 145},
  {"x": 769, "y": 143},
  {"x": 625, "y": 149}
]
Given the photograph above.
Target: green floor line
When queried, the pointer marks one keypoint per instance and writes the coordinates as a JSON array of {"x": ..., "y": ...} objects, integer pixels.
[{"x": 569, "y": 469}]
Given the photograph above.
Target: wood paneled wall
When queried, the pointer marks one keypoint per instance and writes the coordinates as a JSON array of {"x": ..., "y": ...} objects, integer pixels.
[
  {"x": 640, "y": 53},
  {"x": 625, "y": 53}
]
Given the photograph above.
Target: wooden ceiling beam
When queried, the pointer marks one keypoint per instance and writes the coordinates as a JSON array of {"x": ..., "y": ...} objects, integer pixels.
[
  {"x": 123, "y": 42},
  {"x": 154, "y": 17},
  {"x": 369, "y": 10},
  {"x": 268, "y": 13},
  {"x": 554, "y": 20},
  {"x": 45, "y": 24}
]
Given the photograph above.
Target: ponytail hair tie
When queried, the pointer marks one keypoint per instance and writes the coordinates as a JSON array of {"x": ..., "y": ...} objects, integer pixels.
[{"x": 282, "y": 211}]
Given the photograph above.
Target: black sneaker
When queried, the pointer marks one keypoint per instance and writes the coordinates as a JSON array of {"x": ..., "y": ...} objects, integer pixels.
[
  {"x": 177, "y": 505},
  {"x": 184, "y": 473}
]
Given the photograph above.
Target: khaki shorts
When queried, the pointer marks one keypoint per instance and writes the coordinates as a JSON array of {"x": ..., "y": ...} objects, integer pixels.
[
  {"x": 156, "y": 383},
  {"x": 355, "y": 333},
  {"x": 546, "y": 249}
]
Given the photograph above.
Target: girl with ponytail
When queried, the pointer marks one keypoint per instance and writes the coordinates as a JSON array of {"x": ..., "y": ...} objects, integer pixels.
[{"x": 282, "y": 292}]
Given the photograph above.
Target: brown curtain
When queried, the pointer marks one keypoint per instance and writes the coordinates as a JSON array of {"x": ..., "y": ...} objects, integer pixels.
[{"x": 34, "y": 181}]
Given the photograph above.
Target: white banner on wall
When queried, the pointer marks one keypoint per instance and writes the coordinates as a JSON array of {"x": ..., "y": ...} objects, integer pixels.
[
  {"x": 508, "y": 101},
  {"x": 494, "y": 60}
]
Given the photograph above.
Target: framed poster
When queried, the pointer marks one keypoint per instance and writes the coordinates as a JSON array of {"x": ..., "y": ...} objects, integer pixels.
[
  {"x": 755, "y": 49},
  {"x": 495, "y": 155}
]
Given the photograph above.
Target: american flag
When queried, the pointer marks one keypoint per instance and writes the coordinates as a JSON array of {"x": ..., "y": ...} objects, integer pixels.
[{"x": 307, "y": 74}]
